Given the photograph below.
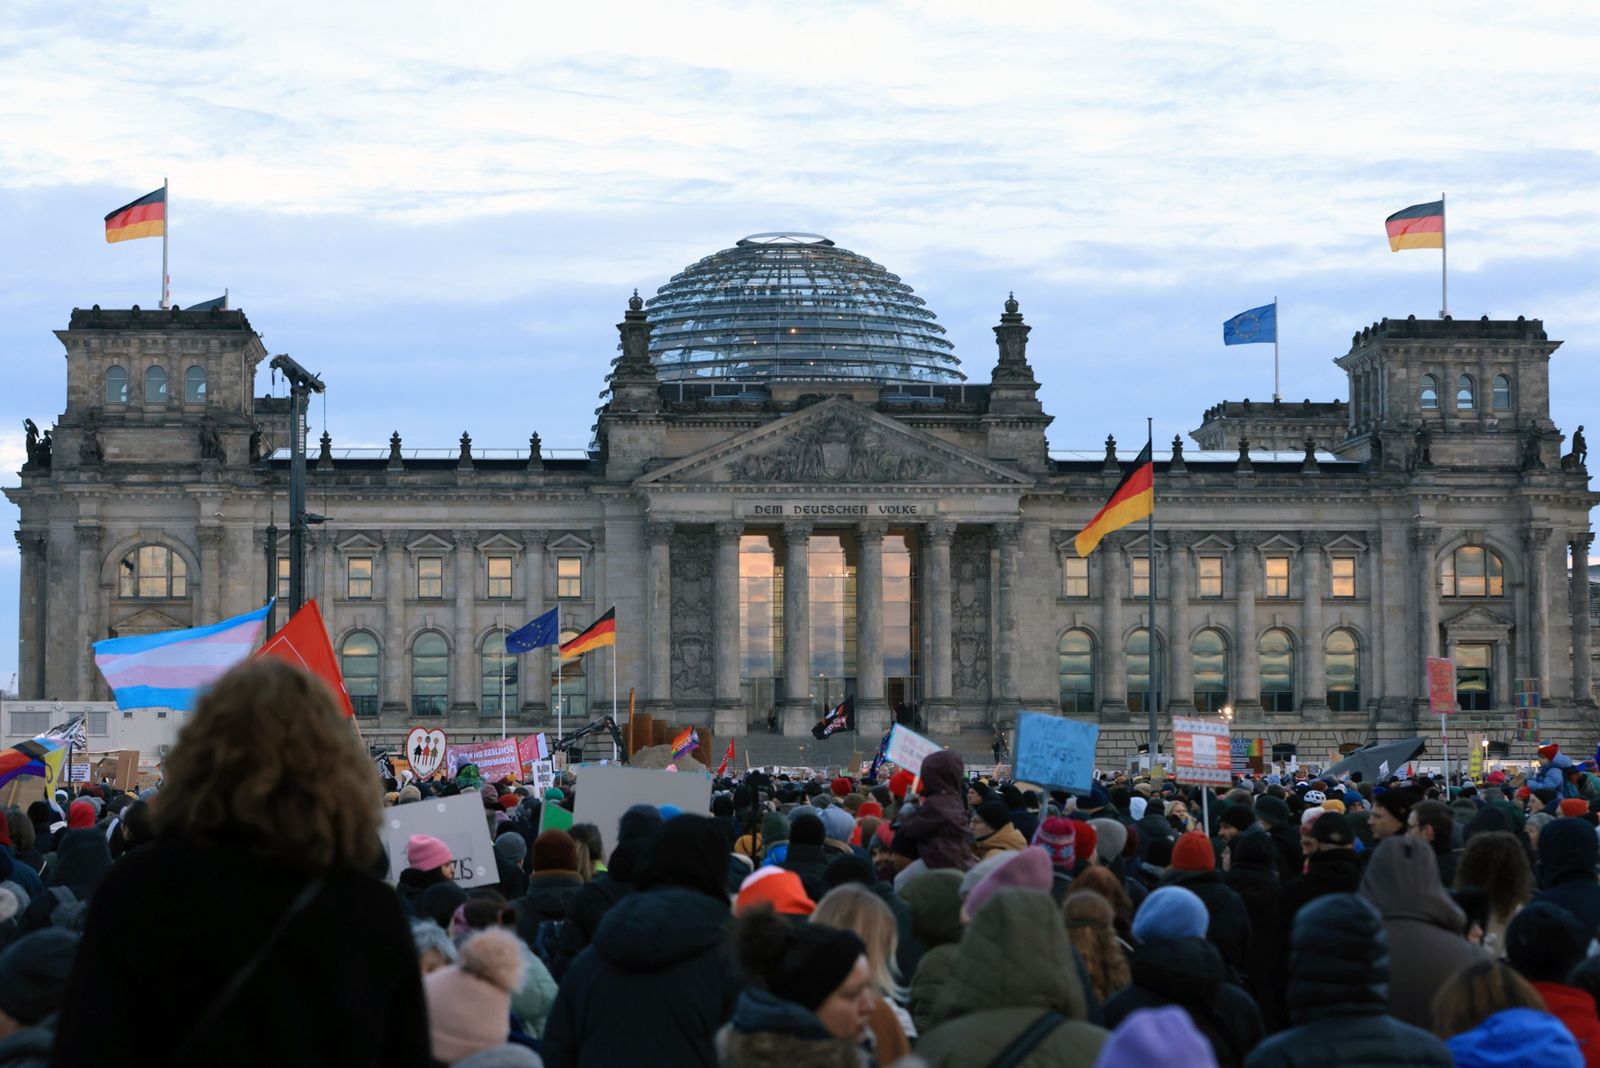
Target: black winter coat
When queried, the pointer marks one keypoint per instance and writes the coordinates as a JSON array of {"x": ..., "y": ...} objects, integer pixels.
[
  {"x": 547, "y": 899},
  {"x": 1338, "y": 996},
  {"x": 1229, "y": 929},
  {"x": 1567, "y": 857},
  {"x": 1290, "y": 857},
  {"x": 1262, "y": 895},
  {"x": 584, "y": 913},
  {"x": 172, "y": 923},
  {"x": 653, "y": 988},
  {"x": 1332, "y": 871},
  {"x": 810, "y": 862},
  {"x": 1189, "y": 974}
]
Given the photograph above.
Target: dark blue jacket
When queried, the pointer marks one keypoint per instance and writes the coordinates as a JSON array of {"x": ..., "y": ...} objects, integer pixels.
[{"x": 1568, "y": 852}]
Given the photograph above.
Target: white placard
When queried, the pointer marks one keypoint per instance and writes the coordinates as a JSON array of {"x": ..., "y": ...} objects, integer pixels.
[
  {"x": 605, "y": 792},
  {"x": 458, "y": 822},
  {"x": 908, "y": 749}
]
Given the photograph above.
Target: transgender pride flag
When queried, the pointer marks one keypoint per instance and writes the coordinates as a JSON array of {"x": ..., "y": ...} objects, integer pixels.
[{"x": 169, "y": 669}]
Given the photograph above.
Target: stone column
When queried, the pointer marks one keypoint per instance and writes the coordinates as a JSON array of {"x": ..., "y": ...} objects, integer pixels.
[
  {"x": 536, "y": 666},
  {"x": 1537, "y": 540},
  {"x": 464, "y": 664},
  {"x": 872, "y": 708},
  {"x": 395, "y": 654},
  {"x": 1005, "y": 696},
  {"x": 1582, "y": 669},
  {"x": 321, "y": 544},
  {"x": 1314, "y": 686},
  {"x": 728, "y": 712},
  {"x": 658, "y": 614},
  {"x": 796, "y": 707},
  {"x": 1180, "y": 690},
  {"x": 1423, "y": 540},
  {"x": 31, "y": 644},
  {"x": 1502, "y": 675},
  {"x": 58, "y": 592},
  {"x": 209, "y": 604},
  {"x": 87, "y": 607},
  {"x": 1113, "y": 681},
  {"x": 1247, "y": 682},
  {"x": 937, "y": 608}
]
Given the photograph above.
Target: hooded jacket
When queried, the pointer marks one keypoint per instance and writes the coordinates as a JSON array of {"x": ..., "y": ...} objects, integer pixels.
[
  {"x": 1229, "y": 929},
  {"x": 1254, "y": 877},
  {"x": 1567, "y": 856},
  {"x": 938, "y": 828},
  {"x": 1328, "y": 871},
  {"x": 1189, "y": 973},
  {"x": 935, "y": 901},
  {"x": 1337, "y": 996},
  {"x": 1516, "y": 1036},
  {"x": 767, "y": 1030},
  {"x": 1008, "y": 973},
  {"x": 1425, "y": 927},
  {"x": 1006, "y": 840}
]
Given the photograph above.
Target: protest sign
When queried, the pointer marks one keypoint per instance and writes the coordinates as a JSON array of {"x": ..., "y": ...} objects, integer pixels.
[
  {"x": 1441, "y": 685},
  {"x": 496, "y": 760},
  {"x": 908, "y": 749},
  {"x": 533, "y": 748},
  {"x": 1056, "y": 752},
  {"x": 544, "y": 775},
  {"x": 458, "y": 822},
  {"x": 425, "y": 750},
  {"x": 605, "y": 792},
  {"x": 552, "y": 817},
  {"x": 1202, "y": 750}
]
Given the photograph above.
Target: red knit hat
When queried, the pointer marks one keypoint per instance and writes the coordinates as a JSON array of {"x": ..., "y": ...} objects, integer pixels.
[
  {"x": 900, "y": 782},
  {"x": 1193, "y": 853},
  {"x": 80, "y": 814},
  {"x": 1574, "y": 806},
  {"x": 840, "y": 786},
  {"x": 777, "y": 888},
  {"x": 509, "y": 801},
  {"x": 1548, "y": 751},
  {"x": 869, "y": 808},
  {"x": 1057, "y": 836},
  {"x": 1083, "y": 845}
]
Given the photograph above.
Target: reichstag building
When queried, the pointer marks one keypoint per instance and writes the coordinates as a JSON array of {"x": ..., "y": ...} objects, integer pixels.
[{"x": 796, "y": 493}]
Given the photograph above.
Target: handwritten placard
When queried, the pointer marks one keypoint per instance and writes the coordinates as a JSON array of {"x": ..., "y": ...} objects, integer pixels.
[
  {"x": 908, "y": 749},
  {"x": 1441, "y": 685},
  {"x": 1058, "y": 752}
]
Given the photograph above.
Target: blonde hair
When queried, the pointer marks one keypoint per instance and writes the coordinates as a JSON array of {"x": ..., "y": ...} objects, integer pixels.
[
  {"x": 268, "y": 759},
  {"x": 1090, "y": 922},
  {"x": 853, "y": 907}
]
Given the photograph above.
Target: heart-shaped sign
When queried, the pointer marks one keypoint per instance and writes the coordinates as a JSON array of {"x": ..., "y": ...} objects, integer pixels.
[{"x": 425, "y": 751}]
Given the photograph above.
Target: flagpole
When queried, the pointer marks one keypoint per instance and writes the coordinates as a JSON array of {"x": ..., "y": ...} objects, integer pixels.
[
  {"x": 166, "y": 228},
  {"x": 503, "y": 656},
  {"x": 1444, "y": 263},
  {"x": 1150, "y": 620},
  {"x": 613, "y": 689},
  {"x": 1277, "y": 394},
  {"x": 560, "y": 672}
]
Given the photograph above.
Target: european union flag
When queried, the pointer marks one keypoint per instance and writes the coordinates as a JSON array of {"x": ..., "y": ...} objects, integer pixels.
[
  {"x": 1249, "y": 327},
  {"x": 544, "y": 630}
]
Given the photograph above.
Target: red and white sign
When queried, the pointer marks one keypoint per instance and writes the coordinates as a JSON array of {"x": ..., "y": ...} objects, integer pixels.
[
  {"x": 425, "y": 751},
  {"x": 1203, "y": 750},
  {"x": 1442, "y": 685},
  {"x": 495, "y": 760}
]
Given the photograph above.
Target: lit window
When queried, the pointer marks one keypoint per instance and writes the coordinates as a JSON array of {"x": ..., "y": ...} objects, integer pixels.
[
  {"x": 153, "y": 573},
  {"x": 1501, "y": 396},
  {"x": 1342, "y": 576},
  {"x": 283, "y": 578},
  {"x": 1077, "y": 576},
  {"x": 1077, "y": 671},
  {"x": 499, "y": 577},
  {"x": 1474, "y": 678},
  {"x": 430, "y": 577},
  {"x": 155, "y": 386},
  {"x": 1276, "y": 654},
  {"x": 1430, "y": 393},
  {"x": 1464, "y": 393},
  {"x": 358, "y": 659},
  {"x": 569, "y": 577},
  {"x": 1342, "y": 665},
  {"x": 1140, "y": 568},
  {"x": 1277, "y": 576},
  {"x": 116, "y": 386},
  {"x": 194, "y": 385},
  {"x": 1208, "y": 654},
  {"x": 430, "y": 675},
  {"x": 1472, "y": 571},
  {"x": 358, "y": 578},
  {"x": 1210, "y": 576}
]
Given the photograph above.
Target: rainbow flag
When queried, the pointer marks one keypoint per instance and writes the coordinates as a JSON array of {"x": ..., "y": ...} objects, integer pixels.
[
  {"x": 40, "y": 756},
  {"x": 145, "y": 217},
  {"x": 1419, "y": 226},
  {"x": 169, "y": 669},
  {"x": 685, "y": 743}
]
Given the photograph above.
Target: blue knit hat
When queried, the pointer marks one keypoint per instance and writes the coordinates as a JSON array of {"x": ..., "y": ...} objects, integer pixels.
[{"x": 1171, "y": 912}]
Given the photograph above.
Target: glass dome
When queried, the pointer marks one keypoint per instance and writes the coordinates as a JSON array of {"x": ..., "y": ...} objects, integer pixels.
[{"x": 795, "y": 306}]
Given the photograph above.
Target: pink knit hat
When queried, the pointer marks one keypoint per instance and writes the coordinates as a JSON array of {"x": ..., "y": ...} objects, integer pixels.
[
  {"x": 425, "y": 853},
  {"x": 1027, "y": 869},
  {"x": 469, "y": 1003}
]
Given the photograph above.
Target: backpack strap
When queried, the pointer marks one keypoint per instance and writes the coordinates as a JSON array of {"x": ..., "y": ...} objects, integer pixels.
[{"x": 1028, "y": 1041}]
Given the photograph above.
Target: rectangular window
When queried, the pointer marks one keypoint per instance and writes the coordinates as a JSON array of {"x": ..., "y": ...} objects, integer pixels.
[
  {"x": 1474, "y": 680},
  {"x": 358, "y": 578},
  {"x": 1277, "y": 576},
  {"x": 1342, "y": 574},
  {"x": 30, "y": 724},
  {"x": 569, "y": 577},
  {"x": 283, "y": 579},
  {"x": 96, "y": 724},
  {"x": 499, "y": 578},
  {"x": 1210, "y": 576},
  {"x": 1140, "y": 569},
  {"x": 1076, "y": 571},
  {"x": 430, "y": 577}
]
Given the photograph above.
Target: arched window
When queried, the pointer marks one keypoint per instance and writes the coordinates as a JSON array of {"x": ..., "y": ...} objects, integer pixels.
[
  {"x": 1464, "y": 394},
  {"x": 1472, "y": 571},
  {"x": 1500, "y": 395},
  {"x": 155, "y": 386},
  {"x": 358, "y": 660},
  {"x": 498, "y": 676},
  {"x": 1276, "y": 651},
  {"x": 1136, "y": 661},
  {"x": 430, "y": 675},
  {"x": 116, "y": 385},
  {"x": 1430, "y": 393},
  {"x": 1209, "y": 655},
  {"x": 569, "y": 689},
  {"x": 153, "y": 573},
  {"x": 1077, "y": 671},
  {"x": 194, "y": 385},
  {"x": 1341, "y": 662}
]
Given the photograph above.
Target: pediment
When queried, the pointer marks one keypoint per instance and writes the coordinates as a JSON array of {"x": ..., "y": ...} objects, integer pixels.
[
  {"x": 1345, "y": 543},
  {"x": 1138, "y": 544},
  {"x": 1279, "y": 544},
  {"x": 836, "y": 442},
  {"x": 429, "y": 543},
  {"x": 358, "y": 543},
  {"x": 569, "y": 543},
  {"x": 1477, "y": 618},
  {"x": 499, "y": 543},
  {"x": 1212, "y": 543},
  {"x": 146, "y": 621}
]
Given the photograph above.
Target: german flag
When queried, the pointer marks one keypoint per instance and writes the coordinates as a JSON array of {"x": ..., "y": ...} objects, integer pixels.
[
  {"x": 145, "y": 217},
  {"x": 1419, "y": 226},
  {"x": 1132, "y": 500},
  {"x": 602, "y": 631}
]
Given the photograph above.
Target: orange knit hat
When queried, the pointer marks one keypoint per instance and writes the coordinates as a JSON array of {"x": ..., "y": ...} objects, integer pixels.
[{"x": 775, "y": 887}]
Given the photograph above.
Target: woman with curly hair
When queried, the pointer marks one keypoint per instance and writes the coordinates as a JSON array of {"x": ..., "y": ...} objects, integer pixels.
[
  {"x": 1103, "y": 881},
  {"x": 252, "y": 928},
  {"x": 1497, "y": 864},
  {"x": 1089, "y": 921}
]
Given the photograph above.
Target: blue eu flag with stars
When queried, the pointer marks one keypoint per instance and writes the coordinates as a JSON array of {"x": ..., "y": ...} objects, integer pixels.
[
  {"x": 1253, "y": 326},
  {"x": 544, "y": 630}
]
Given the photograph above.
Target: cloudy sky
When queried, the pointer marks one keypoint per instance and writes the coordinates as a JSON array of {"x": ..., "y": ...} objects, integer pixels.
[{"x": 442, "y": 210}]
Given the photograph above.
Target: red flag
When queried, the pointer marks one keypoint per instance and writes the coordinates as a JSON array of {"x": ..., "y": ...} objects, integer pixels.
[
  {"x": 303, "y": 642},
  {"x": 726, "y": 757}
]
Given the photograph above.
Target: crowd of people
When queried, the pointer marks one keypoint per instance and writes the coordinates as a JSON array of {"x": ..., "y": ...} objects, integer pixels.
[{"x": 241, "y": 914}]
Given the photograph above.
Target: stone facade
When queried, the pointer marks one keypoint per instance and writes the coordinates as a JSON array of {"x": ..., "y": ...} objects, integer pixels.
[{"x": 1442, "y": 526}]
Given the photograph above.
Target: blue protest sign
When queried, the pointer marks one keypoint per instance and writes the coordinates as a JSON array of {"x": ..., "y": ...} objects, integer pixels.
[{"x": 1052, "y": 751}]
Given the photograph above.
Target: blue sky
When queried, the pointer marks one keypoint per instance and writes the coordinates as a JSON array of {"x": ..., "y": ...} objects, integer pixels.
[{"x": 443, "y": 214}]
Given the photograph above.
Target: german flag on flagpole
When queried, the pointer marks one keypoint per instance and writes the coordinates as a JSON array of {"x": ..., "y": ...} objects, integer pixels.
[
  {"x": 145, "y": 217},
  {"x": 602, "y": 631},
  {"x": 1132, "y": 500},
  {"x": 1419, "y": 226}
]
